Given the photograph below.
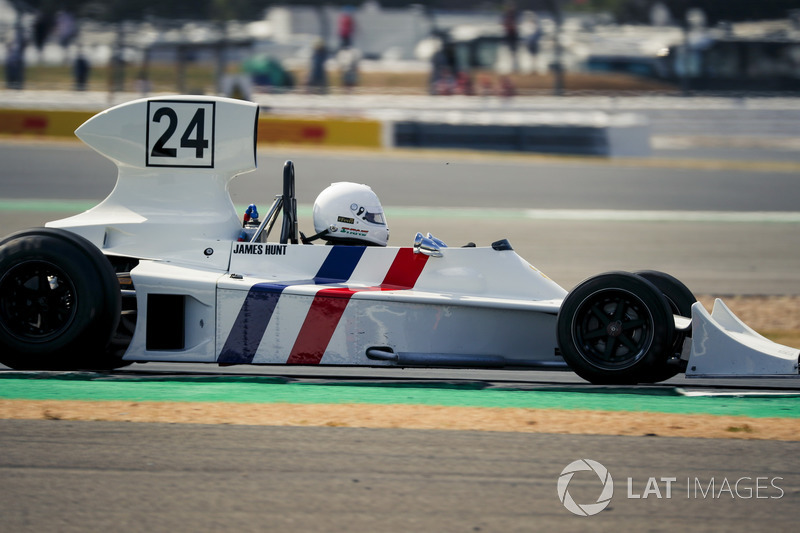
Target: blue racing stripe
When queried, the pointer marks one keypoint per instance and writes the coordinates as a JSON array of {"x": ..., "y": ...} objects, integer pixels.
[
  {"x": 339, "y": 265},
  {"x": 251, "y": 323},
  {"x": 262, "y": 298}
]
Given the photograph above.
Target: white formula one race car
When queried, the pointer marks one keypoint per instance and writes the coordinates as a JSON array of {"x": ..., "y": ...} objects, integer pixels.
[{"x": 122, "y": 282}]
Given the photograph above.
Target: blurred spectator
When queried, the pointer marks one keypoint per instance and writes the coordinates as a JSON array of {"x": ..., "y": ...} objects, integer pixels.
[
  {"x": 15, "y": 67},
  {"x": 66, "y": 29},
  {"x": 510, "y": 31},
  {"x": 443, "y": 66},
  {"x": 317, "y": 77},
  {"x": 42, "y": 26},
  {"x": 438, "y": 66},
  {"x": 347, "y": 27},
  {"x": 81, "y": 71},
  {"x": 15, "y": 59},
  {"x": 535, "y": 36},
  {"x": 348, "y": 59}
]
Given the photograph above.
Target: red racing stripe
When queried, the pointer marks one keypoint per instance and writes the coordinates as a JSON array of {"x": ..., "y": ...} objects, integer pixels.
[
  {"x": 318, "y": 327},
  {"x": 405, "y": 270},
  {"x": 328, "y": 307}
]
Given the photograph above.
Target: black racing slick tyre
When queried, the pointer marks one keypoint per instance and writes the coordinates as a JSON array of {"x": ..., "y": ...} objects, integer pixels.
[
  {"x": 59, "y": 302},
  {"x": 680, "y": 300},
  {"x": 614, "y": 328},
  {"x": 678, "y": 295}
]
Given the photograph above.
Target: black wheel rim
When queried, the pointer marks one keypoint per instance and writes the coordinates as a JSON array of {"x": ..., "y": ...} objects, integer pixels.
[
  {"x": 613, "y": 329},
  {"x": 37, "y": 301}
]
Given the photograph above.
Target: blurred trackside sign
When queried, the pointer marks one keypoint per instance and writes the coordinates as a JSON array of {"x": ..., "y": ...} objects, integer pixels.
[
  {"x": 330, "y": 131},
  {"x": 291, "y": 132},
  {"x": 39, "y": 122},
  {"x": 180, "y": 133},
  {"x": 16, "y": 123}
]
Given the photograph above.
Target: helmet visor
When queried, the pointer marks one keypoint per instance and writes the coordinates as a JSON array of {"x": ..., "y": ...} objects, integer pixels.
[
  {"x": 373, "y": 215},
  {"x": 376, "y": 217}
]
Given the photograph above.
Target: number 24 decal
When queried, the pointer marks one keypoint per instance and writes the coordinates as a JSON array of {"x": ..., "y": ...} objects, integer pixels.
[{"x": 193, "y": 136}]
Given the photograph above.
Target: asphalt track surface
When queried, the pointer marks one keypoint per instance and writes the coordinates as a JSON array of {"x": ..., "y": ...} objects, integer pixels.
[
  {"x": 91, "y": 476},
  {"x": 79, "y": 476}
]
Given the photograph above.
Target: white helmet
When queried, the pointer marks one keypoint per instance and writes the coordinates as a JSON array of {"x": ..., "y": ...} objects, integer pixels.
[{"x": 347, "y": 212}]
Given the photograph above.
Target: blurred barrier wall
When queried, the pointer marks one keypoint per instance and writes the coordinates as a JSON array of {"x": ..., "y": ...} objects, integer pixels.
[
  {"x": 41, "y": 123},
  {"x": 597, "y": 134},
  {"x": 612, "y": 136},
  {"x": 329, "y": 131}
]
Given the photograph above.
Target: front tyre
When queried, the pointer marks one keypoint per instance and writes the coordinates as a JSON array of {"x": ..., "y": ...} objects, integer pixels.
[
  {"x": 614, "y": 328},
  {"x": 59, "y": 302}
]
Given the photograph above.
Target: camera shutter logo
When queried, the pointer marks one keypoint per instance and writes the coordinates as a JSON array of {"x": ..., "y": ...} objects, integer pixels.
[{"x": 587, "y": 509}]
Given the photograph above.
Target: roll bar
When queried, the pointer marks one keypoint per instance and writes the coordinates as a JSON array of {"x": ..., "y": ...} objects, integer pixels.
[{"x": 287, "y": 203}]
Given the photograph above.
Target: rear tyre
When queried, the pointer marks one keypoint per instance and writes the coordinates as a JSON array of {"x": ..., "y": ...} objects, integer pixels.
[
  {"x": 59, "y": 302},
  {"x": 680, "y": 300},
  {"x": 678, "y": 295},
  {"x": 614, "y": 328}
]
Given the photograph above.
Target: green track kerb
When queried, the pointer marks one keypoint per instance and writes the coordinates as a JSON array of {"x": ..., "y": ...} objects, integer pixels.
[{"x": 258, "y": 390}]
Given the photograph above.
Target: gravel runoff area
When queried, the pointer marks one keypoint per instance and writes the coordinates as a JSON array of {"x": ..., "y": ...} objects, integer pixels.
[
  {"x": 582, "y": 422},
  {"x": 775, "y": 317},
  {"x": 763, "y": 313}
]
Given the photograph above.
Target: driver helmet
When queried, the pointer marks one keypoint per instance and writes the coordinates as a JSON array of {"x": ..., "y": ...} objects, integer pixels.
[{"x": 350, "y": 213}]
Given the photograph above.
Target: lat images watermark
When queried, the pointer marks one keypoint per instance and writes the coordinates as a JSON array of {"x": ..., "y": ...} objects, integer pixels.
[
  {"x": 587, "y": 509},
  {"x": 662, "y": 487}
]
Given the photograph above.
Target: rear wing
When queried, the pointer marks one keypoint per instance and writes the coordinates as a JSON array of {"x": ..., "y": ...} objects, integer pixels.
[{"x": 175, "y": 157}]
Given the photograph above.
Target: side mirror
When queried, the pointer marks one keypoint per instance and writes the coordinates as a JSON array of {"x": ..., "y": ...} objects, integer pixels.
[{"x": 430, "y": 245}]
